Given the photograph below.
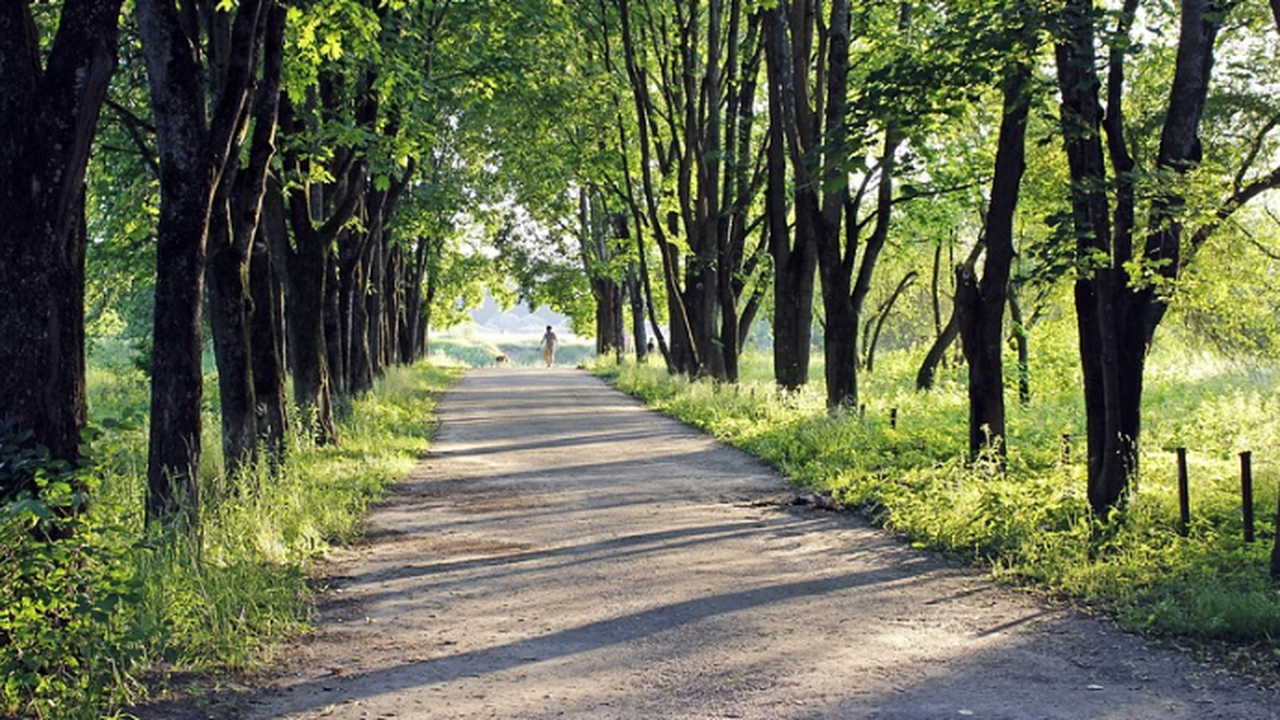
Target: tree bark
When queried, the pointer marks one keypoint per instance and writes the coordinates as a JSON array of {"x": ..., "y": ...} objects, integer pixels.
[
  {"x": 334, "y": 320},
  {"x": 47, "y": 120},
  {"x": 419, "y": 291},
  {"x": 266, "y": 342},
  {"x": 194, "y": 150},
  {"x": 1022, "y": 346},
  {"x": 233, "y": 227},
  {"x": 1117, "y": 320},
  {"x": 794, "y": 261},
  {"x": 980, "y": 304},
  {"x": 639, "y": 329},
  {"x": 374, "y": 309}
]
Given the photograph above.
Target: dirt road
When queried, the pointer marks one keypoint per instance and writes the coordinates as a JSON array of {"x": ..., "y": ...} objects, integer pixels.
[{"x": 564, "y": 553}]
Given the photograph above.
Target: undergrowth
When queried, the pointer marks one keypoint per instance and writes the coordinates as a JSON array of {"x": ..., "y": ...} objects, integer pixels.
[
  {"x": 93, "y": 602},
  {"x": 1029, "y": 521}
]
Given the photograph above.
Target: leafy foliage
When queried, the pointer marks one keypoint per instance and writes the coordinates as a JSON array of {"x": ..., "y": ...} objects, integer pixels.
[{"x": 67, "y": 595}]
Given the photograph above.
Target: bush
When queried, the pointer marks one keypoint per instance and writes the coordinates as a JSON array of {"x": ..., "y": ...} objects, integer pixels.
[{"x": 66, "y": 601}]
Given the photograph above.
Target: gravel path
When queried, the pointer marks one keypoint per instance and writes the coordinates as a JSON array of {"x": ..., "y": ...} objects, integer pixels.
[{"x": 564, "y": 553}]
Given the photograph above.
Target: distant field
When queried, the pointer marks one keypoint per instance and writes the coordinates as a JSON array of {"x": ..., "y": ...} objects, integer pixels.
[{"x": 481, "y": 349}]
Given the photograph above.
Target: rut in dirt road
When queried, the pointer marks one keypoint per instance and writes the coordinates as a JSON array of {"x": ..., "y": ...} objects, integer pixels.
[{"x": 564, "y": 553}]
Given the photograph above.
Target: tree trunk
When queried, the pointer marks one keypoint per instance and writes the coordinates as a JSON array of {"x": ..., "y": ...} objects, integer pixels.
[
  {"x": 937, "y": 351},
  {"x": 317, "y": 213},
  {"x": 986, "y": 368},
  {"x": 394, "y": 301},
  {"x": 359, "y": 363},
  {"x": 1117, "y": 321},
  {"x": 227, "y": 274},
  {"x": 194, "y": 152},
  {"x": 374, "y": 308},
  {"x": 639, "y": 331},
  {"x": 47, "y": 120},
  {"x": 948, "y": 333},
  {"x": 816, "y": 133},
  {"x": 608, "y": 297},
  {"x": 186, "y": 188},
  {"x": 304, "y": 313},
  {"x": 882, "y": 315},
  {"x": 1022, "y": 346},
  {"x": 795, "y": 263},
  {"x": 425, "y": 285},
  {"x": 267, "y": 329},
  {"x": 414, "y": 335},
  {"x": 840, "y": 341},
  {"x": 233, "y": 227},
  {"x": 980, "y": 305},
  {"x": 334, "y": 323}
]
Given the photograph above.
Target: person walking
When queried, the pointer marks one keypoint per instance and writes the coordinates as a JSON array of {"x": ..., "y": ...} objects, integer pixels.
[{"x": 549, "y": 343}]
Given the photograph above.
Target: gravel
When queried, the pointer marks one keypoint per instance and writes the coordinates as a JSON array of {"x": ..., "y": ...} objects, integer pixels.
[{"x": 565, "y": 553}]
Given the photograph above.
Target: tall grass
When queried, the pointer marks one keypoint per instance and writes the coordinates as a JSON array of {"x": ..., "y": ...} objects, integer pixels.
[
  {"x": 1029, "y": 521},
  {"x": 83, "y": 620}
]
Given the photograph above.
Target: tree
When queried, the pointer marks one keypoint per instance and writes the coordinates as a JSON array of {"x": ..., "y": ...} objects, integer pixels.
[
  {"x": 321, "y": 199},
  {"x": 1117, "y": 318},
  {"x": 980, "y": 304},
  {"x": 194, "y": 150},
  {"x": 795, "y": 257},
  {"x": 49, "y": 106},
  {"x": 233, "y": 227},
  {"x": 696, "y": 129}
]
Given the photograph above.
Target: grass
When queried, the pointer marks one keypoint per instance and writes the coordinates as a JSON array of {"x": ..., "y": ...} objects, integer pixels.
[
  {"x": 1030, "y": 523},
  {"x": 85, "y": 621}
]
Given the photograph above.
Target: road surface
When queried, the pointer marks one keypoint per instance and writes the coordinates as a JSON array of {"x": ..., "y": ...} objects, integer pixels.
[{"x": 564, "y": 553}]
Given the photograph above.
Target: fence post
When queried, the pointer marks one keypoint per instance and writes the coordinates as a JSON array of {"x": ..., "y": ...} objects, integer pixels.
[
  {"x": 1275, "y": 549},
  {"x": 1246, "y": 493},
  {"x": 1184, "y": 501}
]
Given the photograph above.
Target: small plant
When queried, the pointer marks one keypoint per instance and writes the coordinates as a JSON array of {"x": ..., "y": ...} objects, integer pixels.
[{"x": 65, "y": 620}]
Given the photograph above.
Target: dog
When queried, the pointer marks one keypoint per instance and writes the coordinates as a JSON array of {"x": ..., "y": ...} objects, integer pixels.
[{"x": 501, "y": 360}]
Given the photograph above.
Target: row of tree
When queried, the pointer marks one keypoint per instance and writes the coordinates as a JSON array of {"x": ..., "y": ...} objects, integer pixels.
[
  {"x": 291, "y": 168},
  {"x": 304, "y": 168},
  {"x": 758, "y": 145}
]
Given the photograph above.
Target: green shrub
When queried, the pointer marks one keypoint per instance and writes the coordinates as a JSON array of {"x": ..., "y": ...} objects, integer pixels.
[{"x": 69, "y": 643}]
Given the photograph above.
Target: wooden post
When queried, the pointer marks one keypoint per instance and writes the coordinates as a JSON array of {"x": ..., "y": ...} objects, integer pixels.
[
  {"x": 1246, "y": 493},
  {"x": 1184, "y": 501},
  {"x": 1275, "y": 549}
]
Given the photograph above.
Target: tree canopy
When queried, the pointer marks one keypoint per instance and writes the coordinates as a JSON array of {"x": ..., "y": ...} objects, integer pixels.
[{"x": 336, "y": 177}]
